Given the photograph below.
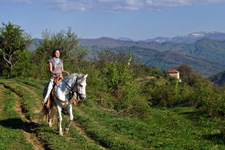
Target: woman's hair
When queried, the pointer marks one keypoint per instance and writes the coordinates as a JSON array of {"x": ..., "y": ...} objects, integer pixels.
[{"x": 53, "y": 53}]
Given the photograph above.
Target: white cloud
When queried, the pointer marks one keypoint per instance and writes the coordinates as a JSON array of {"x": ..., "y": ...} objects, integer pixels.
[
  {"x": 21, "y": 1},
  {"x": 117, "y": 5},
  {"x": 212, "y": 1},
  {"x": 167, "y": 3}
]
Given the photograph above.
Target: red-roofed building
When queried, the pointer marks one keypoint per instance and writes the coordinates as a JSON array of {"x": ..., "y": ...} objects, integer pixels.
[{"x": 175, "y": 73}]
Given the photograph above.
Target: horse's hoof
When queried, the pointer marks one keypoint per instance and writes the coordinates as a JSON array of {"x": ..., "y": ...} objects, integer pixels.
[
  {"x": 65, "y": 131},
  {"x": 61, "y": 134}
]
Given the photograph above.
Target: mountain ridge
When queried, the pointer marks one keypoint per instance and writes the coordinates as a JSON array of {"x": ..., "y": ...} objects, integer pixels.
[
  {"x": 191, "y": 38},
  {"x": 188, "y": 39}
]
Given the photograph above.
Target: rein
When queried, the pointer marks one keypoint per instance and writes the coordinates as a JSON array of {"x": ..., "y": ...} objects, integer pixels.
[
  {"x": 74, "y": 88},
  {"x": 71, "y": 89}
]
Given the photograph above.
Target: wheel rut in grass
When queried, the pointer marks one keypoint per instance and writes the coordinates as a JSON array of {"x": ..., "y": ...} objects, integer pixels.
[
  {"x": 31, "y": 124},
  {"x": 29, "y": 127},
  {"x": 37, "y": 98},
  {"x": 82, "y": 131},
  {"x": 2, "y": 90},
  {"x": 37, "y": 103},
  {"x": 100, "y": 125}
]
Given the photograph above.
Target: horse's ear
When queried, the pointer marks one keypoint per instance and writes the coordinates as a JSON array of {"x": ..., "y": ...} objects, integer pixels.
[{"x": 85, "y": 76}]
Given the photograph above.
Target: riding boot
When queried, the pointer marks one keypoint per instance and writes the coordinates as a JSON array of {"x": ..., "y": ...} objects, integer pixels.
[
  {"x": 48, "y": 101},
  {"x": 50, "y": 86}
]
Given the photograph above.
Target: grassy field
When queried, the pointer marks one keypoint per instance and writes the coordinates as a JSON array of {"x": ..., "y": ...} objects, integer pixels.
[{"x": 95, "y": 127}]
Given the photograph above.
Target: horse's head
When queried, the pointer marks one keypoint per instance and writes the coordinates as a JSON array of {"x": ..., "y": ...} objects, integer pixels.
[{"x": 81, "y": 86}]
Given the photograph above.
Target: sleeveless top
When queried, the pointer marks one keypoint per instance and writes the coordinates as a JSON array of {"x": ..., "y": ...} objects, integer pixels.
[{"x": 57, "y": 69}]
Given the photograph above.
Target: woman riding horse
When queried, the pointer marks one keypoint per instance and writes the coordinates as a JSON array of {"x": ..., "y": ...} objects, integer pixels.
[{"x": 56, "y": 70}]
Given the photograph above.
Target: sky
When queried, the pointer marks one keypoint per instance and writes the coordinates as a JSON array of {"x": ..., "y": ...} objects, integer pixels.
[{"x": 134, "y": 19}]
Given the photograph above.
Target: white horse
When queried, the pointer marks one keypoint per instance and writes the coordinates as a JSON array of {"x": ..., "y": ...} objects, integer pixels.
[{"x": 61, "y": 97}]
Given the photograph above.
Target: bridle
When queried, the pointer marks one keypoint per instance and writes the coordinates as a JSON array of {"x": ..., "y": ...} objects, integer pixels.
[{"x": 74, "y": 89}]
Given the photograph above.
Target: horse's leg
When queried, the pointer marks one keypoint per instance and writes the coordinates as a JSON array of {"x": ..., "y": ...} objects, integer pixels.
[
  {"x": 49, "y": 118},
  {"x": 69, "y": 109},
  {"x": 59, "y": 110},
  {"x": 51, "y": 115}
]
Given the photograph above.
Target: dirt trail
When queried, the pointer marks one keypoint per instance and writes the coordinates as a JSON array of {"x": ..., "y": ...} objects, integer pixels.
[
  {"x": 29, "y": 127},
  {"x": 37, "y": 98}
]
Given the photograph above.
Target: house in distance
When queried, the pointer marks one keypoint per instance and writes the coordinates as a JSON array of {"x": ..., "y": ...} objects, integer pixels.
[{"x": 175, "y": 73}]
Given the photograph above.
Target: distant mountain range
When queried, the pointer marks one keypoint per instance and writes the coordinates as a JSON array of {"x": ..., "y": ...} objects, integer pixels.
[
  {"x": 191, "y": 38},
  {"x": 203, "y": 51}
]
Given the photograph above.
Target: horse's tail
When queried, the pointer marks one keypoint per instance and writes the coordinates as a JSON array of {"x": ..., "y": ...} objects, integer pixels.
[
  {"x": 49, "y": 113},
  {"x": 45, "y": 112}
]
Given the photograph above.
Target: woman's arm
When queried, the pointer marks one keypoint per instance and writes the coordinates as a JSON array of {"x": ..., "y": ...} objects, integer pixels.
[
  {"x": 50, "y": 68},
  {"x": 63, "y": 71}
]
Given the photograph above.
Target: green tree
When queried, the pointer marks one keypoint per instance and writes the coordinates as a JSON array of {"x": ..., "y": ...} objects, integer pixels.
[
  {"x": 13, "y": 40},
  {"x": 117, "y": 70},
  {"x": 207, "y": 100},
  {"x": 188, "y": 76},
  {"x": 23, "y": 66}
]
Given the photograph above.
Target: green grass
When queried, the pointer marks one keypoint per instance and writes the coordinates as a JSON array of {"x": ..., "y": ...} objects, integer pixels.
[
  {"x": 24, "y": 94},
  {"x": 11, "y": 137},
  {"x": 48, "y": 135},
  {"x": 168, "y": 128},
  {"x": 176, "y": 128},
  {"x": 38, "y": 84}
]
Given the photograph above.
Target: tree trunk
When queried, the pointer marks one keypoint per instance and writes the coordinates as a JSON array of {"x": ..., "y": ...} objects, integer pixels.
[{"x": 7, "y": 61}]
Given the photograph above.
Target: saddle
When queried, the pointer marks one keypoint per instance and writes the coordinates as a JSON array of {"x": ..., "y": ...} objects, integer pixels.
[{"x": 56, "y": 81}]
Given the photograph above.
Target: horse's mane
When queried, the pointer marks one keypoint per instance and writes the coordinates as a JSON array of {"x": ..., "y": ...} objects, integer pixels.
[{"x": 71, "y": 76}]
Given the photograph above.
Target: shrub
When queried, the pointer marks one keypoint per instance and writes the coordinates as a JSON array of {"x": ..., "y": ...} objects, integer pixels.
[{"x": 117, "y": 75}]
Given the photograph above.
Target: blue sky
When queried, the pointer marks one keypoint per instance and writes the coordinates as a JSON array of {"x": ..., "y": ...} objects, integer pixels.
[{"x": 135, "y": 19}]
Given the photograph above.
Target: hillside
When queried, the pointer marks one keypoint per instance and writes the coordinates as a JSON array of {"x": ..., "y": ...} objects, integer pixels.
[
  {"x": 206, "y": 56},
  {"x": 165, "y": 60},
  {"x": 34, "y": 44},
  {"x": 95, "y": 127},
  {"x": 169, "y": 60},
  {"x": 218, "y": 78},
  {"x": 207, "y": 49}
]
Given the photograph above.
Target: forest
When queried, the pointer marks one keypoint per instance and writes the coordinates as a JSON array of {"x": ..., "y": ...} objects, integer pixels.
[{"x": 134, "y": 106}]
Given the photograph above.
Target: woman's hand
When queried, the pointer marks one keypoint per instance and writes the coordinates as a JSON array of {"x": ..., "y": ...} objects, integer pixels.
[{"x": 67, "y": 73}]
